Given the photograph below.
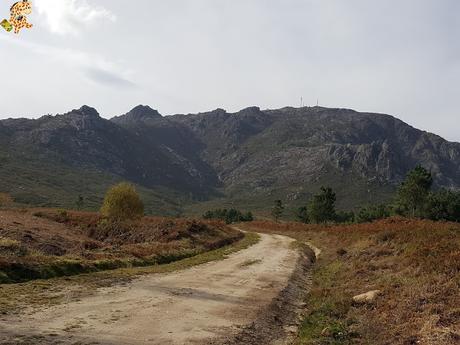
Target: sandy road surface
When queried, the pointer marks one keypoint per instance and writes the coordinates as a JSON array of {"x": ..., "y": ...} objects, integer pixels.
[{"x": 192, "y": 306}]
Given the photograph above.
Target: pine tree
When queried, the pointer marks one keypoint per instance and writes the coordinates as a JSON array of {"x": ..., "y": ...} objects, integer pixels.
[
  {"x": 414, "y": 191},
  {"x": 277, "y": 210},
  {"x": 321, "y": 208}
]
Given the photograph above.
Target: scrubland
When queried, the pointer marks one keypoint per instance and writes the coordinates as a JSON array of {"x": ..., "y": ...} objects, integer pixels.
[
  {"x": 414, "y": 263},
  {"x": 38, "y": 244},
  {"x": 51, "y": 256}
]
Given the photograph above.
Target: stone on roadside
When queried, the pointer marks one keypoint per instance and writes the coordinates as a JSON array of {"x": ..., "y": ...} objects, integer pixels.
[{"x": 367, "y": 297}]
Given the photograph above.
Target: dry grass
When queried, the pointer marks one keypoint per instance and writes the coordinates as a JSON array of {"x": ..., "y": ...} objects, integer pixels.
[
  {"x": 38, "y": 244},
  {"x": 415, "y": 263},
  {"x": 6, "y": 200}
]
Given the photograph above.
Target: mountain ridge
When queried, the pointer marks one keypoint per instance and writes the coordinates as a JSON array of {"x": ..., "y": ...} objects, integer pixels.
[{"x": 249, "y": 157}]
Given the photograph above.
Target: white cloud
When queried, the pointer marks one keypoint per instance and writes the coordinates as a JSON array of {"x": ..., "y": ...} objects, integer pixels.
[
  {"x": 94, "y": 67},
  {"x": 69, "y": 16}
]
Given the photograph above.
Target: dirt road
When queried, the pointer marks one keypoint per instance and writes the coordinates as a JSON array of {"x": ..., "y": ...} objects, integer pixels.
[{"x": 195, "y": 306}]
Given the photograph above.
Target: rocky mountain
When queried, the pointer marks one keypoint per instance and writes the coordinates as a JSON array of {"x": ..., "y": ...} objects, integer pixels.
[{"x": 217, "y": 158}]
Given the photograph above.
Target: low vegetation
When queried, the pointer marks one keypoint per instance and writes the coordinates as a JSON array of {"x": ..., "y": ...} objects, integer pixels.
[
  {"x": 373, "y": 212},
  {"x": 229, "y": 216},
  {"x": 50, "y": 243},
  {"x": 122, "y": 203},
  {"x": 414, "y": 263},
  {"x": 5, "y": 200}
]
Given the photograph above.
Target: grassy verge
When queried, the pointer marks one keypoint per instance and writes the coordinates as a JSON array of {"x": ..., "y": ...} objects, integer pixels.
[
  {"x": 68, "y": 267},
  {"x": 16, "y": 297},
  {"x": 415, "y": 264}
]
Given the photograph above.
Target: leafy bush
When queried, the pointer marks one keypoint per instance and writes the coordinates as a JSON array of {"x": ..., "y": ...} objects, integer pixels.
[
  {"x": 443, "y": 205},
  {"x": 229, "y": 216},
  {"x": 373, "y": 212},
  {"x": 122, "y": 202},
  {"x": 345, "y": 217},
  {"x": 302, "y": 214}
]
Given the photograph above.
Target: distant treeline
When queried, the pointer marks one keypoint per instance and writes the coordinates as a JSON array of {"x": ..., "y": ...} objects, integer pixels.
[
  {"x": 229, "y": 216},
  {"x": 414, "y": 198}
]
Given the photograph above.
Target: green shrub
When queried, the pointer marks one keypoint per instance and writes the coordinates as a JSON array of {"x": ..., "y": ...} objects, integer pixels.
[
  {"x": 443, "y": 205},
  {"x": 373, "y": 212},
  {"x": 122, "y": 202},
  {"x": 248, "y": 217},
  {"x": 345, "y": 217},
  {"x": 229, "y": 216},
  {"x": 302, "y": 214}
]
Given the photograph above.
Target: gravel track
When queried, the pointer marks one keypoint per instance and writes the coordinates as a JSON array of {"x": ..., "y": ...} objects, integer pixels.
[{"x": 253, "y": 294}]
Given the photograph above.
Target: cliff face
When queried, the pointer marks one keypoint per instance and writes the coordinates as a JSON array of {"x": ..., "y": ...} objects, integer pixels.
[{"x": 291, "y": 148}]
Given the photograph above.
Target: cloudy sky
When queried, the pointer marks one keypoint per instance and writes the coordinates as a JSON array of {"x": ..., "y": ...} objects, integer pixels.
[{"x": 400, "y": 57}]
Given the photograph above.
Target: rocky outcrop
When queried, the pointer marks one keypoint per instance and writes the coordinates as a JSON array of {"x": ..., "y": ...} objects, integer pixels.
[{"x": 250, "y": 155}]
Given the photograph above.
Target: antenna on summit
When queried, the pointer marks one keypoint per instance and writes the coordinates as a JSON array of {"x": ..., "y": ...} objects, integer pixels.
[
  {"x": 317, "y": 102},
  {"x": 301, "y": 102}
]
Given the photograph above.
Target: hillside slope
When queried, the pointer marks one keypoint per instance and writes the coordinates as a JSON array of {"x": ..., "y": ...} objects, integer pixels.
[
  {"x": 289, "y": 153},
  {"x": 216, "y": 158}
]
